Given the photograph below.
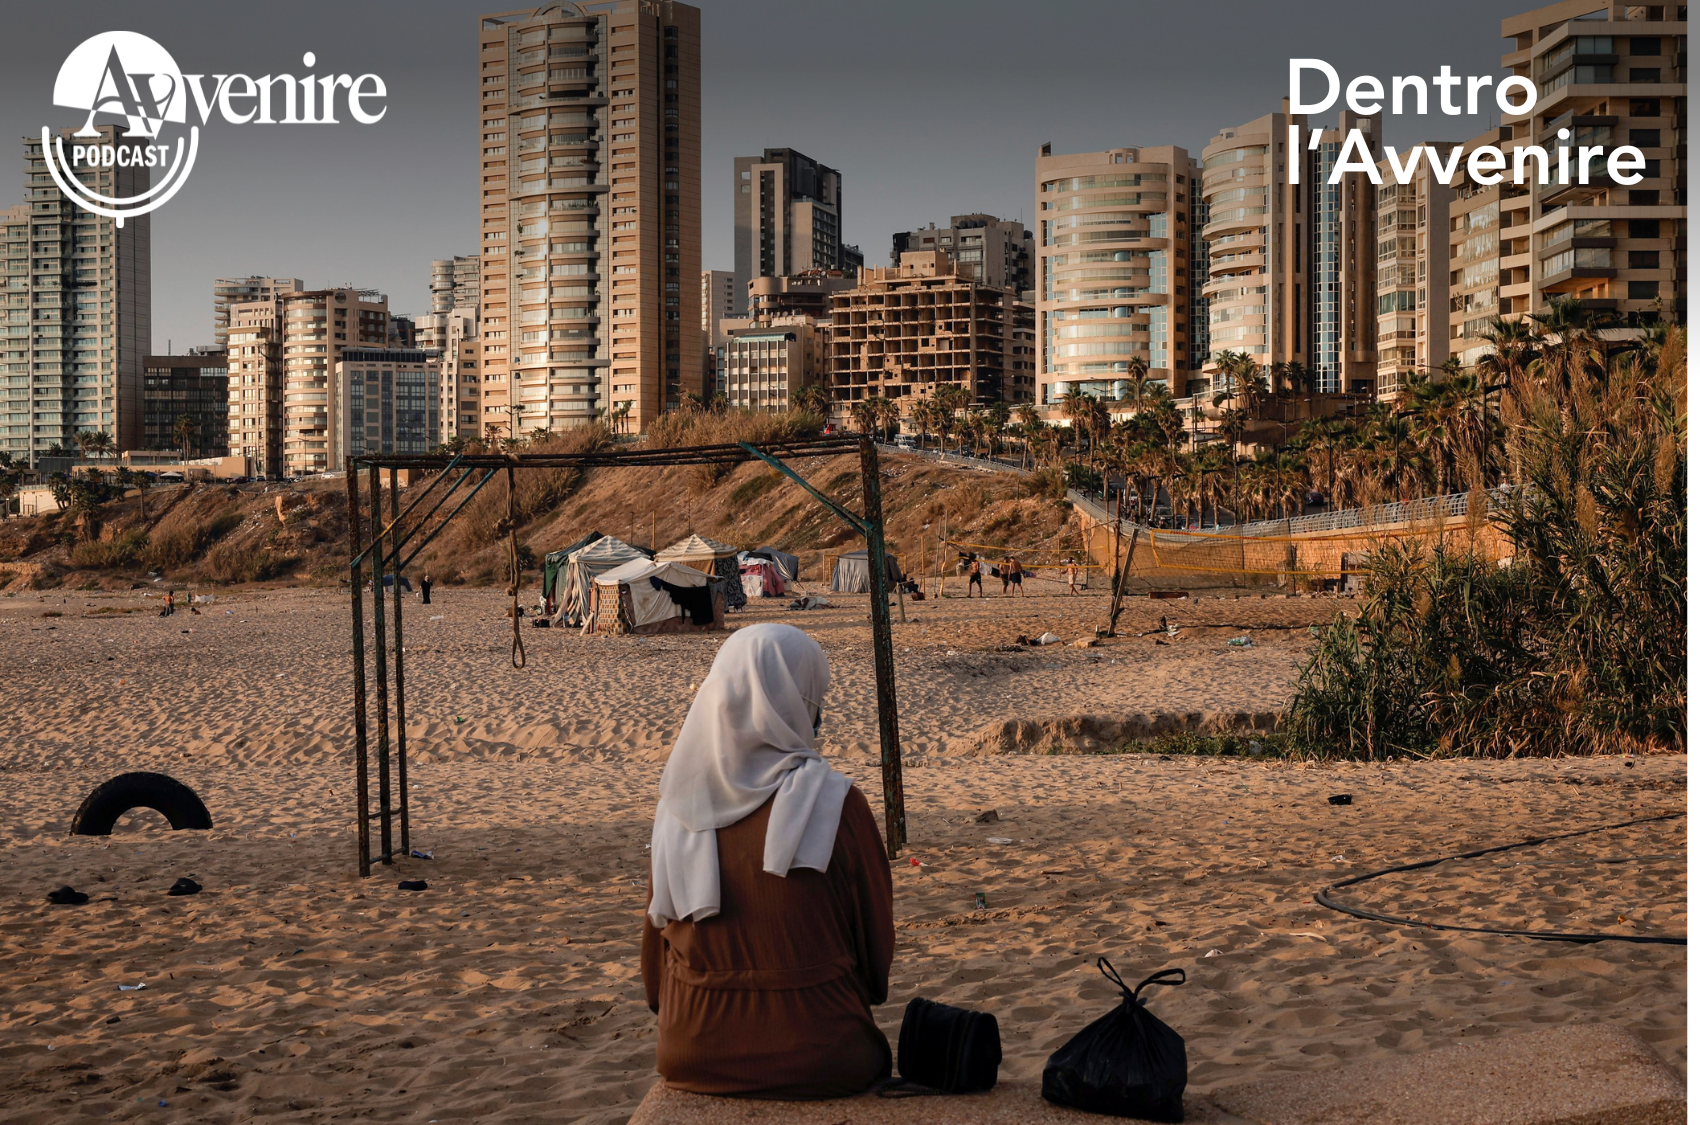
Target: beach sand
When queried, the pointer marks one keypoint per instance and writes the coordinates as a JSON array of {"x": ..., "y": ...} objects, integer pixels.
[{"x": 291, "y": 990}]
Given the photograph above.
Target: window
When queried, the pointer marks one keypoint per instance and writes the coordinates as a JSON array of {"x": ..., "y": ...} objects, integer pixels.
[
  {"x": 1643, "y": 259},
  {"x": 1644, "y": 46},
  {"x": 1643, "y": 74},
  {"x": 1643, "y": 228},
  {"x": 1643, "y": 198},
  {"x": 1644, "y": 138},
  {"x": 1643, "y": 107},
  {"x": 1643, "y": 290}
]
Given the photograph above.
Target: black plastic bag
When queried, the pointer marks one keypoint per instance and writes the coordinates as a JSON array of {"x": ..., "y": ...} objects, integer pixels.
[
  {"x": 1127, "y": 1063},
  {"x": 951, "y": 1050}
]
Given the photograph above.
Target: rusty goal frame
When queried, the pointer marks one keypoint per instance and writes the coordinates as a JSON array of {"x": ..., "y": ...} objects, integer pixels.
[{"x": 380, "y": 551}]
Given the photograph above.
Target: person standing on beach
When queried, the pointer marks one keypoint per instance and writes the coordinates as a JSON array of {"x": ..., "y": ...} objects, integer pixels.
[
  {"x": 170, "y": 605},
  {"x": 425, "y": 590},
  {"x": 1012, "y": 574},
  {"x": 769, "y": 936},
  {"x": 974, "y": 581},
  {"x": 1073, "y": 572}
]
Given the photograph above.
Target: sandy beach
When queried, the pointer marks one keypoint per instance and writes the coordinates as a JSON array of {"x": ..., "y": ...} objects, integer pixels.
[{"x": 291, "y": 990}]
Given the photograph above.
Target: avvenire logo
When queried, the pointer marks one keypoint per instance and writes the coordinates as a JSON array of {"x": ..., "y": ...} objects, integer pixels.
[{"x": 125, "y": 74}]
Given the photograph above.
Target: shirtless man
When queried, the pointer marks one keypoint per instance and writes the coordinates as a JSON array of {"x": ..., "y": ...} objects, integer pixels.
[{"x": 974, "y": 580}]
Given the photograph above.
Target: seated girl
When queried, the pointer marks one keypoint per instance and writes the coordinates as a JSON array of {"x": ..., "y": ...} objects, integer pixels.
[{"x": 769, "y": 931}]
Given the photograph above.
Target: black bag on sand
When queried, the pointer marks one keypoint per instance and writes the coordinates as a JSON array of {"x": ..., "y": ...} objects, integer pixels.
[
  {"x": 1127, "y": 1063},
  {"x": 951, "y": 1050}
]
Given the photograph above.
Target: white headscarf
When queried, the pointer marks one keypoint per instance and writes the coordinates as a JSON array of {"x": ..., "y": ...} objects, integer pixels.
[{"x": 749, "y": 736}]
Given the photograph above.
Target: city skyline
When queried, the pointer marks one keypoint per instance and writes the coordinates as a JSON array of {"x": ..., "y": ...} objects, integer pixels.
[{"x": 404, "y": 193}]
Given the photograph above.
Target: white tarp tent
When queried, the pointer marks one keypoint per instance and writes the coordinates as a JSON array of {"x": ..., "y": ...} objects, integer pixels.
[
  {"x": 572, "y": 581},
  {"x": 850, "y": 573},
  {"x": 648, "y": 603}
]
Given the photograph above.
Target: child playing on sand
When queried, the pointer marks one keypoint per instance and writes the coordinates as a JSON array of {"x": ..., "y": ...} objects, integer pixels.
[{"x": 769, "y": 934}]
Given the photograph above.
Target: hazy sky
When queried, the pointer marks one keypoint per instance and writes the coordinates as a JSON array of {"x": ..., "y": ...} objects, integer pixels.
[{"x": 929, "y": 107}]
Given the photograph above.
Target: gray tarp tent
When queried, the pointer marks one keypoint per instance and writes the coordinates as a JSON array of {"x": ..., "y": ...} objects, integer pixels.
[
  {"x": 788, "y": 564},
  {"x": 850, "y": 573},
  {"x": 572, "y": 582}
]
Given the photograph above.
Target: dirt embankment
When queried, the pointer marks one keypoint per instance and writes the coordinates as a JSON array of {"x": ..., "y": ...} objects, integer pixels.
[{"x": 297, "y": 534}]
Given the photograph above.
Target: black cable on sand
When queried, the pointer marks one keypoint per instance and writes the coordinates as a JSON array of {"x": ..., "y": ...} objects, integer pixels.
[{"x": 1323, "y": 897}]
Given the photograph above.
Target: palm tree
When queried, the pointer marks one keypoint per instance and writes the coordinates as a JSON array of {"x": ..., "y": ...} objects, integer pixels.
[
  {"x": 997, "y": 415},
  {"x": 862, "y": 415},
  {"x": 923, "y": 415},
  {"x": 184, "y": 431},
  {"x": 886, "y": 413},
  {"x": 1233, "y": 422},
  {"x": 814, "y": 399},
  {"x": 11, "y": 476},
  {"x": 1327, "y": 436},
  {"x": 1076, "y": 405}
]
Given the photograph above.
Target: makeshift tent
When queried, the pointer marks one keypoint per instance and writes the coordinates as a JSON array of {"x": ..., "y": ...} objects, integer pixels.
[
  {"x": 642, "y": 596},
  {"x": 572, "y": 582},
  {"x": 554, "y": 560},
  {"x": 850, "y": 573},
  {"x": 710, "y": 557},
  {"x": 789, "y": 565},
  {"x": 762, "y": 577}
]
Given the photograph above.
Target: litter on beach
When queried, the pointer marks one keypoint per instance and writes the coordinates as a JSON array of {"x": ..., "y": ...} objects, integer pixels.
[
  {"x": 131, "y": 987},
  {"x": 1240, "y": 642}
]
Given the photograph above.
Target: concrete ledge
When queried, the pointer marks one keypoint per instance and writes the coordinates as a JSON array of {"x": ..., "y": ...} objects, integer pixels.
[
  {"x": 1571, "y": 1075},
  {"x": 1012, "y": 1102},
  {"x": 1591, "y": 1074}
]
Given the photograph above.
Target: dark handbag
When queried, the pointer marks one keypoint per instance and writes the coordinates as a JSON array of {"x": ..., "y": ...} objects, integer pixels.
[
  {"x": 951, "y": 1050},
  {"x": 1127, "y": 1062}
]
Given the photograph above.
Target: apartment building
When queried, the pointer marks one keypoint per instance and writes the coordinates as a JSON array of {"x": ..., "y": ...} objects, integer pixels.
[
  {"x": 196, "y": 385},
  {"x": 720, "y": 301},
  {"x": 451, "y": 339},
  {"x": 806, "y": 294},
  {"x": 454, "y": 283},
  {"x": 283, "y": 357},
  {"x": 996, "y": 251},
  {"x": 590, "y": 152},
  {"x": 78, "y": 309},
  {"x": 228, "y": 291},
  {"x": 386, "y": 402},
  {"x": 1412, "y": 224},
  {"x": 255, "y": 357},
  {"x": 1292, "y": 266},
  {"x": 765, "y": 364},
  {"x": 1114, "y": 280},
  {"x": 906, "y": 330},
  {"x": 1608, "y": 75},
  {"x": 1484, "y": 223},
  {"x": 787, "y": 217}
]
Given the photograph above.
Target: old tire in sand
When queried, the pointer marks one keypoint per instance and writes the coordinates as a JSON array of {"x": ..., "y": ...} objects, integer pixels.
[{"x": 165, "y": 795}]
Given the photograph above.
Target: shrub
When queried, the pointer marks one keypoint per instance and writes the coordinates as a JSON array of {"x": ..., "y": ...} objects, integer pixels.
[
  {"x": 1578, "y": 644},
  {"x": 112, "y": 554}
]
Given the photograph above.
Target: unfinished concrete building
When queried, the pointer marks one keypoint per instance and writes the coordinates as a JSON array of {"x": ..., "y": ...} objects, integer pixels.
[{"x": 911, "y": 328}]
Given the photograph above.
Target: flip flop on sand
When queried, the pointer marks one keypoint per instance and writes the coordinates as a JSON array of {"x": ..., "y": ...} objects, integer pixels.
[
  {"x": 184, "y": 886},
  {"x": 67, "y": 896}
]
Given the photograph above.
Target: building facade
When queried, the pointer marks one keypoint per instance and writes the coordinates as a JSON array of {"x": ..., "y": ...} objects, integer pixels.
[
  {"x": 1114, "y": 284},
  {"x": 228, "y": 291},
  {"x": 764, "y": 365},
  {"x": 1411, "y": 275},
  {"x": 196, "y": 385},
  {"x": 996, "y": 251},
  {"x": 904, "y": 331},
  {"x": 720, "y": 301},
  {"x": 590, "y": 214},
  {"x": 255, "y": 358},
  {"x": 283, "y": 357},
  {"x": 787, "y": 217},
  {"x": 454, "y": 283},
  {"x": 386, "y": 402},
  {"x": 1292, "y": 266},
  {"x": 79, "y": 309},
  {"x": 1608, "y": 75}
]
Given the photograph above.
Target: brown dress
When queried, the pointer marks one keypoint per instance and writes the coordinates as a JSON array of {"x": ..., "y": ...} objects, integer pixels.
[{"x": 771, "y": 998}]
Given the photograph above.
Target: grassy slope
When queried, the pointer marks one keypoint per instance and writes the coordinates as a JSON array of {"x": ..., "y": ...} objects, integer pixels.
[{"x": 221, "y": 534}]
